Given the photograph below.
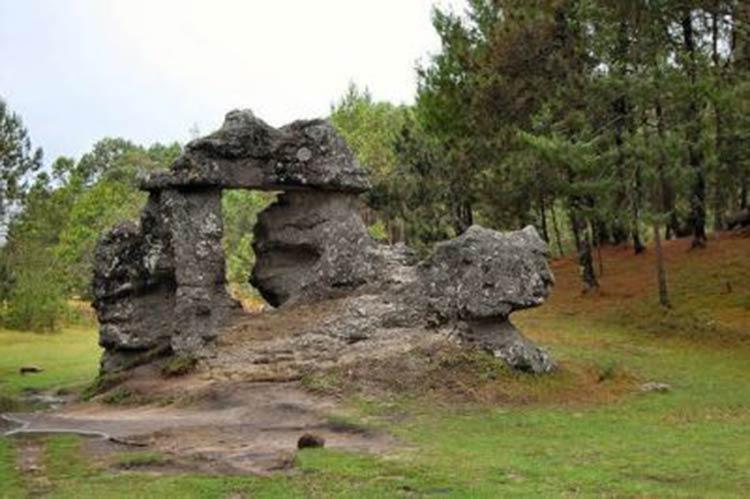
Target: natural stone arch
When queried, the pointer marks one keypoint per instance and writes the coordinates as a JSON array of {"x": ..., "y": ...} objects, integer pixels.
[{"x": 160, "y": 286}]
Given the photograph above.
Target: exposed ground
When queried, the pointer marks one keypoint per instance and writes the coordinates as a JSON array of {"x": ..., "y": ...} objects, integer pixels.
[{"x": 438, "y": 421}]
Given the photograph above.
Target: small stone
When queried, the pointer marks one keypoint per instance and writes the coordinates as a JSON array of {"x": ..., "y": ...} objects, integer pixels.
[
  {"x": 655, "y": 387},
  {"x": 310, "y": 441},
  {"x": 30, "y": 370}
]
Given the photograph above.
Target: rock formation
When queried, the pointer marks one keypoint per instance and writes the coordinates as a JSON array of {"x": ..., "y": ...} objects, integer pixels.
[
  {"x": 159, "y": 286},
  {"x": 309, "y": 246}
]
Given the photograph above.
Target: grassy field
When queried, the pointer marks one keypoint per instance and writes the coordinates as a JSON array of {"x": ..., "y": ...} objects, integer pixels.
[
  {"x": 69, "y": 360},
  {"x": 586, "y": 431}
]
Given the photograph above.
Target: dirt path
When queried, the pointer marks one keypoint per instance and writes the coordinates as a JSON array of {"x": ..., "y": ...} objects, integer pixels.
[{"x": 238, "y": 427}]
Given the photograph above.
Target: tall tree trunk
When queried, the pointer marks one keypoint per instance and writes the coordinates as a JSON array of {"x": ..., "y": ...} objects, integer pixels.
[
  {"x": 741, "y": 65},
  {"x": 695, "y": 156},
  {"x": 621, "y": 109},
  {"x": 667, "y": 191},
  {"x": 638, "y": 246},
  {"x": 543, "y": 218},
  {"x": 719, "y": 194},
  {"x": 661, "y": 273},
  {"x": 586, "y": 264},
  {"x": 598, "y": 243},
  {"x": 463, "y": 217},
  {"x": 556, "y": 226}
]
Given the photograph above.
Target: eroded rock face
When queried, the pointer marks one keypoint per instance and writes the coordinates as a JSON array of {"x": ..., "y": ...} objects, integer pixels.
[
  {"x": 484, "y": 274},
  {"x": 247, "y": 153},
  {"x": 160, "y": 285},
  {"x": 310, "y": 246},
  {"x": 202, "y": 303},
  {"x": 403, "y": 304},
  {"x": 133, "y": 300}
]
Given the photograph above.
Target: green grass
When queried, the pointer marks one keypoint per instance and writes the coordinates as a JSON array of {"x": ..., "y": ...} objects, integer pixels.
[
  {"x": 693, "y": 441},
  {"x": 143, "y": 458},
  {"x": 70, "y": 359},
  {"x": 10, "y": 482}
]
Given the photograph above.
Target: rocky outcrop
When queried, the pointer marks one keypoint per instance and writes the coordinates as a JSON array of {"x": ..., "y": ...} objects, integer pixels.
[
  {"x": 247, "y": 153},
  {"x": 160, "y": 287},
  {"x": 310, "y": 246},
  {"x": 202, "y": 303},
  {"x": 453, "y": 295},
  {"x": 483, "y": 276},
  {"x": 739, "y": 219},
  {"x": 134, "y": 296}
]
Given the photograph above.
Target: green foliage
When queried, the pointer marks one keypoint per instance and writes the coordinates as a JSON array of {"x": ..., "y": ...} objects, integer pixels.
[
  {"x": 93, "y": 212},
  {"x": 378, "y": 231},
  {"x": 142, "y": 459},
  {"x": 48, "y": 256},
  {"x": 37, "y": 301},
  {"x": 240, "y": 209},
  {"x": 370, "y": 128},
  {"x": 18, "y": 161}
]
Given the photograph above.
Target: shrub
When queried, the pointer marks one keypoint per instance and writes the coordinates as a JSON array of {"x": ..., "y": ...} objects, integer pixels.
[{"x": 37, "y": 300}]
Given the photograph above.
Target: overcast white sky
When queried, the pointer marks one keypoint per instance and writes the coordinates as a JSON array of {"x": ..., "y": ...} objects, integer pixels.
[{"x": 148, "y": 70}]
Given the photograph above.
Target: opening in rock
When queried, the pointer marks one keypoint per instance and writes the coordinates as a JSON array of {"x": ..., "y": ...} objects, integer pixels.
[{"x": 240, "y": 209}]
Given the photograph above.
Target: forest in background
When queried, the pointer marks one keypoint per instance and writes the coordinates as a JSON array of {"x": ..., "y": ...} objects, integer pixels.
[{"x": 600, "y": 122}]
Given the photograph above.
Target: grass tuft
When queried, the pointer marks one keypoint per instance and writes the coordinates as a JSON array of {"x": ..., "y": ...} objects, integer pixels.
[
  {"x": 143, "y": 459},
  {"x": 179, "y": 365}
]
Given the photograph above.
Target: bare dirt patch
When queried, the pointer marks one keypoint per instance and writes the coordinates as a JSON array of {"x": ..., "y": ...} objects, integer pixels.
[{"x": 225, "y": 428}]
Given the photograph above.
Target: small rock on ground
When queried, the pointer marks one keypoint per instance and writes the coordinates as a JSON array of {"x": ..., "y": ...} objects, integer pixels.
[
  {"x": 310, "y": 441},
  {"x": 656, "y": 387}
]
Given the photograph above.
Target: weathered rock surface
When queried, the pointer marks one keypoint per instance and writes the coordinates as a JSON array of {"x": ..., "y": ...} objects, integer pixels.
[
  {"x": 310, "y": 246},
  {"x": 247, "y": 153},
  {"x": 504, "y": 341},
  {"x": 484, "y": 274},
  {"x": 160, "y": 286},
  {"x": 400, "y": 307},
  {"x": 202, "y": 303},
  {"x": 134, "y": 304}
]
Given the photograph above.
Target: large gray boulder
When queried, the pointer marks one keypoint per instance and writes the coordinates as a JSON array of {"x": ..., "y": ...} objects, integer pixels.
[
  {"x": 479, "y": 279},
  {"x": 247, "y": 153},
  {"x": 159, "y": 285},
  {"x": 202, "y": 304},
  {"x": 310, "y": 246},
  {"x": 485, "y": 273},
  {"x": 739, "y": 219}
]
